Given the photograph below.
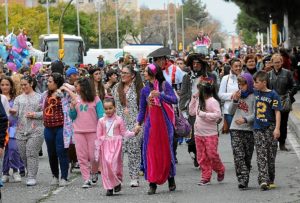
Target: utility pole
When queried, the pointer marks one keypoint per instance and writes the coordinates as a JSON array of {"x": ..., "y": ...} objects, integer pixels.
[
  {"x": 48, "y": 18},
  {"x": 99, "y": 24},
  {"x": 6, "y": 16},
  {"x": 176, "y": 37},
  {"x": 117, "y": 24},
  {"x": 169, "y": 26},
  {"x": 182, "y": 25},
  {"x": 78, "y": 20}
]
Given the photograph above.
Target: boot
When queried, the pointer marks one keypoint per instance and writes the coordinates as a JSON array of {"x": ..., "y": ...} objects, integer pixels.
[
  {"x": 152, "y": 189},
  {"x": 172, "y": 185},
  {"x": 109, "y": 193}
]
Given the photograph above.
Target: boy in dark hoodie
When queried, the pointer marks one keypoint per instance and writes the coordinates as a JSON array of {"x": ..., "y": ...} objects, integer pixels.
[{"x": 242, "y": 140}]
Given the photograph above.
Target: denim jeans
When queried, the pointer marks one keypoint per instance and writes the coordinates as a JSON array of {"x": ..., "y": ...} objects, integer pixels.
[
  {"x": 56, "y": 151},
  {"x": 228, "y": 118}
]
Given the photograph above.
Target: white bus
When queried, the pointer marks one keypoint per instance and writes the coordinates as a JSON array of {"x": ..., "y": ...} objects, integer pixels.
[{"x": 74, "y": 48}]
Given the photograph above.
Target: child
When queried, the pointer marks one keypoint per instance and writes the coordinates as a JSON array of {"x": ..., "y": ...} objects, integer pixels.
[
  {"x": 242, "y": 141},
  {"x": 266, "y": 129},
  {"x": 110, "y": 131},
  {"x": 86, "y": 109},
  {"x": 207, "y": 111}
]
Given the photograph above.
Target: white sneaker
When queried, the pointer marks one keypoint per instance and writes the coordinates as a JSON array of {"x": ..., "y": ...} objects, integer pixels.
[
  {"x": 134, "y": 183},
  {"x": 87, "y": 184},
  {"x": 94, "y": 178},
  {"x": 17, "y": 177},
  {"x": 5, "y": 178},
  {"x": 63, "y": 183},
  {"x": 31, "y": 182},
  {"x": 54, "y": 181}
]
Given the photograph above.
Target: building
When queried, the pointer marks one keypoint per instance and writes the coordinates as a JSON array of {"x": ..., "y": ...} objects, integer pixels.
[{"x": 27, "y": 3}]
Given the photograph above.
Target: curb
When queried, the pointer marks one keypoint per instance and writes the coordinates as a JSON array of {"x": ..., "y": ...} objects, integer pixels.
[{"x": 294, "y": 120}]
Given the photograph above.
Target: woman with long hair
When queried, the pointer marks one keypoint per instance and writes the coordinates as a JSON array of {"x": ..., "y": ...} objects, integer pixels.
[
  {"x": 156, "y": 111},
  {"x": 96, "y": 82},
  {"x": 53, "y": 113},
  {"x": 12, "y": 159},
  {"x": 29, "y": 133},
  {"x": 127, "y": 97}
]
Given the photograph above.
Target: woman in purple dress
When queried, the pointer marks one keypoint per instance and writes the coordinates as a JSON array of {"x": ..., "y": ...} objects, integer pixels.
[
  {"x": 12, "y": 159},
  {"x": 157, "y": 113}
]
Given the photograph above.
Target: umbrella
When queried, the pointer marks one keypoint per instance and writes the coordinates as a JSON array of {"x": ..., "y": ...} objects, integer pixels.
[{"x": 161, "y": 52}]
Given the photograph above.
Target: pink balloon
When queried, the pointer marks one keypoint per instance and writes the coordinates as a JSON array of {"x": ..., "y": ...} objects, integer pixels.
[
  {"x": 22, "y": 41},
  {"x": 35, "y": 69},
  {"x": 11, "y": 66}
]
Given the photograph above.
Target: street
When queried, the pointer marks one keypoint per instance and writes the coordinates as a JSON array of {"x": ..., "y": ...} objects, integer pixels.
[{"x": 287, "y": 180}]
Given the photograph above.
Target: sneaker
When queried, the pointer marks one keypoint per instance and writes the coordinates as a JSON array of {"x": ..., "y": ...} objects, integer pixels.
[
  {"x": 204, "y": 182},
  {"x": 22, "y": 173},
  {"x": 94, "y": 178},
  {"x": 220, "y": 177},
  {"x": 87, "y": 184},
  {"x": 242, "y": 186},
  {"x": 264, "y": 186},
  {"x": 63, "y": 183},
  {"x": 5, "y": 178},
  {"x": 141, "y": 173},
  {"x": 272, "y": 186},
  {"x": 76, "y": 165},
  {"x": 31, "y": 182},
  {"x": 17, "y": 177},
  {"x": 54, "y": 181},
  {"x": 134, "y": 183}
]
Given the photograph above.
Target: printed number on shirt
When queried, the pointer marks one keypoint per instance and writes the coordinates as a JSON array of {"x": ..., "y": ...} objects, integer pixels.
[{"x": 261, "y": 110}]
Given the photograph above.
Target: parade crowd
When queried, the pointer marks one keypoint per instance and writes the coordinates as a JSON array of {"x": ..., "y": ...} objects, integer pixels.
[{"x": 94, "y": 115}]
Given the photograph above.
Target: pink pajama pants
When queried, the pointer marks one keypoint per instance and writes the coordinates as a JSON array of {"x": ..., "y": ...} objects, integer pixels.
[
  {"x": 208, "y": 156},
  {"x": 85, "y": 149}
]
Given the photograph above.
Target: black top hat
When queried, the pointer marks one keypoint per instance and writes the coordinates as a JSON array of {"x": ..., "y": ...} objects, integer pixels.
[{"x": 161, "y": 52}]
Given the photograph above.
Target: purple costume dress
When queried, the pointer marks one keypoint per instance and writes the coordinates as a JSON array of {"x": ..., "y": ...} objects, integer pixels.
[
  {"x": 157, "y": 155},
  {"x": 12, "y": 157}
]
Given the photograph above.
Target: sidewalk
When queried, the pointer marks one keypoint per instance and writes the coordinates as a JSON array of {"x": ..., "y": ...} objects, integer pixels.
[{"x": 294, "y": 117}]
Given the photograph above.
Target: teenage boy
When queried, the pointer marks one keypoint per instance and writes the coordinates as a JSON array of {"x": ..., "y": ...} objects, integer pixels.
[{"x": 266, "y": 129}]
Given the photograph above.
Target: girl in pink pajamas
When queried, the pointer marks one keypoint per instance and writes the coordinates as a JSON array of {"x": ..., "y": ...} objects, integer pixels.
[
  {"x": 86, "y": 109},
  {"x": 110, "y": 131},
  {"x": 207, "y": 111}
]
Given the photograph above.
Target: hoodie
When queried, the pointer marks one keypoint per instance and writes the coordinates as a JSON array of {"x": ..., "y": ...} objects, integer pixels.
[{"x": 244, "y": 107}]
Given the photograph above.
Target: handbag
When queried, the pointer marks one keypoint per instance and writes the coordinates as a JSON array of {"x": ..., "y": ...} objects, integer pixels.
[
  {"x": 225, "y": 127},
  {"x": 286, "y": 103},
  {"x": 182, "y": 126}
]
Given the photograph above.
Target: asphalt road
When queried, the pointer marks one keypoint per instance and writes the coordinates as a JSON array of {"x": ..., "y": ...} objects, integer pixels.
[{"x": 287, "y": 180}]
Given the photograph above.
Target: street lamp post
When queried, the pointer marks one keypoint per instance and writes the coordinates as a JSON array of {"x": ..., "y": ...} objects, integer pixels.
[
  {"x": 117, "y": 23},
  {"x": 6, "y": 16},
  {"x": 197, "y": 23},
  {"x": 48, "y": 20},
  {"x": 99, "y": 24},
  {"x": 60, "y": 40}
]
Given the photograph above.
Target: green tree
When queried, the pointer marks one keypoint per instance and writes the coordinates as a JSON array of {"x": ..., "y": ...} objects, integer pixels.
[{"x": 248, "y": 27}]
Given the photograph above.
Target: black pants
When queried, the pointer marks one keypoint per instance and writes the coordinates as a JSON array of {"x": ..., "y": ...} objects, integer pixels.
[
  {"x": 283, "y": 127},
  {"x": 191, "y": 144}
]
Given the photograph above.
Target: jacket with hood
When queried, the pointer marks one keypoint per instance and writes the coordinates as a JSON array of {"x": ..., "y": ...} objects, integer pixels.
[{"x": 244, "y": 107}]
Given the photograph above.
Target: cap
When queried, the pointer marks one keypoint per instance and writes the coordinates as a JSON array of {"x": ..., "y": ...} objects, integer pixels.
[{"x": 72, "y": 70}]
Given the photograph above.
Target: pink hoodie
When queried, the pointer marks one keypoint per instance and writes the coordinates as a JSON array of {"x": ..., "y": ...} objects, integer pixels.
[{"x": 206, "y": 122}]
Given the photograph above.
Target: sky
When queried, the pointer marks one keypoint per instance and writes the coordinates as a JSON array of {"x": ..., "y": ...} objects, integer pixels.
[{"x": 223, "y": 11}]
